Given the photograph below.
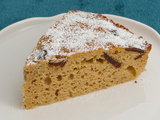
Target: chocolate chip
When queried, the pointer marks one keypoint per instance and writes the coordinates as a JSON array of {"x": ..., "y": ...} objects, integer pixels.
[
  {"x": 112, "y": 61},
  {"x": 135, "y": 50},
  {"x": 45, "y": 53},
  {"x": 139, "y": 56},
  {"x": 114, "y": 32},
  {"x": 39, "y": 57},
  {"x": 62, "y": 63},
  {"x": 42, "y": 57}
]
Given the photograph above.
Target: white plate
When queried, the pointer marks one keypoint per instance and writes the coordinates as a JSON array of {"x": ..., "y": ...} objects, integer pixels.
[{"x": 128, "y": 101}]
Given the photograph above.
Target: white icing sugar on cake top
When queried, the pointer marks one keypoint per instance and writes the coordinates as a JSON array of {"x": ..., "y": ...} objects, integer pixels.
[{"x": 82, "y": 32}]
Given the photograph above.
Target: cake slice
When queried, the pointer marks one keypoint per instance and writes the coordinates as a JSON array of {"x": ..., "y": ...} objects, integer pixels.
[{"x": 81, "y": 53}]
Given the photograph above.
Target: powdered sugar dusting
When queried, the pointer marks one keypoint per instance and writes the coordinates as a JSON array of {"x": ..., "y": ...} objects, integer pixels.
[{"x": 82, "y": 32}]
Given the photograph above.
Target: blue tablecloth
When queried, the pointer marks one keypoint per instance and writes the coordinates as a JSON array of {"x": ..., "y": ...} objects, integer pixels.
[{"x": 145, "y": 11}]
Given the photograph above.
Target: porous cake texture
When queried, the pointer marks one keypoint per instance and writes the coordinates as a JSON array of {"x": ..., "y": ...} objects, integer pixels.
[{"x": 81, "y": 53}]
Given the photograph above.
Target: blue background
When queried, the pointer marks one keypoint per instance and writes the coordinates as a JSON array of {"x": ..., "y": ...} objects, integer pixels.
[{"x": 145, "y": 11}]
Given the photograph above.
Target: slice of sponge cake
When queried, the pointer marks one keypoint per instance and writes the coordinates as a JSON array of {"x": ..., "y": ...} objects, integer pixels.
[{"x": 81, "y": 53}]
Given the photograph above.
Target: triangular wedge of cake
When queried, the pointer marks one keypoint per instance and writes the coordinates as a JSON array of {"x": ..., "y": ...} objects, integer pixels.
[{"x": 81, "y": 53}]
